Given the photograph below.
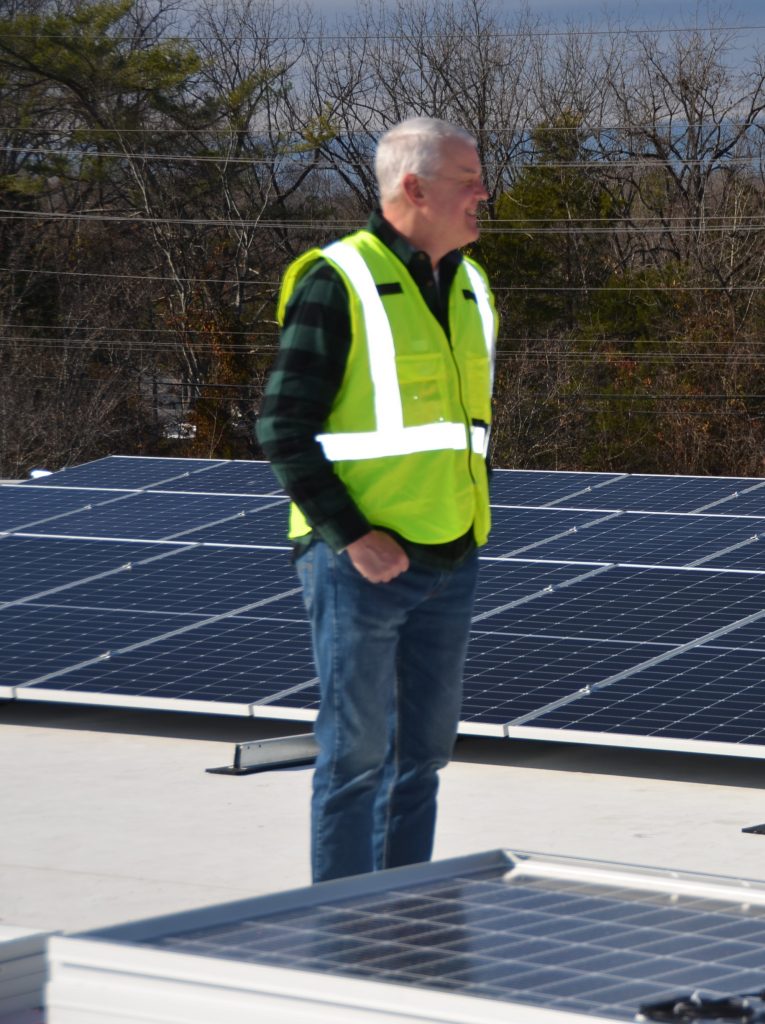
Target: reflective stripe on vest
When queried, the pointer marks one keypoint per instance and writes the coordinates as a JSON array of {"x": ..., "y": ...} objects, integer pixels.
[
  {"x": 484, "y": 308},
  {"x": 391, "y": 436}
]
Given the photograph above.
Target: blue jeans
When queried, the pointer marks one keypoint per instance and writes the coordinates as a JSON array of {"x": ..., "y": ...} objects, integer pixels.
[{"x": 389, "y": 657}]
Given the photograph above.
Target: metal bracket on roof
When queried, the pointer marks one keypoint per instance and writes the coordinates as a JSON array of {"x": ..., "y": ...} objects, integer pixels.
[{"x": 266, "y": 755}]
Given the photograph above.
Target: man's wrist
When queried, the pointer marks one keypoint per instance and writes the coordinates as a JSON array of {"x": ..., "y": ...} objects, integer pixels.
[{"x": 344, "y": 530}]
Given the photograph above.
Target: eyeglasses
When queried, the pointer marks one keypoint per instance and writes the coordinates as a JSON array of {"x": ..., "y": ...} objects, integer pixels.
[{"x": 468, "y": 182}]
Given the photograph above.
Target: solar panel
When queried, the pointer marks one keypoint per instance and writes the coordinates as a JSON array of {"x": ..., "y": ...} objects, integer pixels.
[
  {"x": 21, "y": 508},
  {"x": 742, "y": 556},
  {"x": 228, "y": 666},
  {"x": 38, "y": 640},
  {"x": 124, "y": 472},
  {"x": 540, "y": 487},
  {"x": 748, "y": 501},
  {"x": 174, "y": 588},
  {"x": 516, "y": 531},
  {"x": 230, "y": 478},
  {"x": 503, "y": 584},
  {"x": 150, "y": 515},
  {"x": 35, "y": 565},
  {"x": 643, "y": 493},
  {"x": 192, "y": 580},
  {"x": 711, "y": 696},
  {"x": 264, "y": 524},
  {"x": 660, "y": 606},
  {"x": 496, "y": 936},
  {"x": 649, "y": 539},
  {"x": 510, "y": 675}
]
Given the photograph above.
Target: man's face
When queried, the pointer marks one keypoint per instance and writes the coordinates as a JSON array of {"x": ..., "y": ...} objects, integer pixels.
[{"x": 453, "y": 194}]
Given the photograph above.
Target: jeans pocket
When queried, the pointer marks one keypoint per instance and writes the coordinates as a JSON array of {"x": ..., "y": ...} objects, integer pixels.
[{"x": 304, "y": 568}]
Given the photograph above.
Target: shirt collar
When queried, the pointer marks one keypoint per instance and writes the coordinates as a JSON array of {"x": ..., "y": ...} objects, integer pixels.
[{"x": 411, "y": 258}]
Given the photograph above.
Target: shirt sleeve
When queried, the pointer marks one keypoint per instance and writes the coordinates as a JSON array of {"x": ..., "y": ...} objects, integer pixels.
[{"x": 301, "y": 389}]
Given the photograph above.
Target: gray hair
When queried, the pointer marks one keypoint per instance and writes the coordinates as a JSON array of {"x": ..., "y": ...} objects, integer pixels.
[{"x": 413, "y": 147}]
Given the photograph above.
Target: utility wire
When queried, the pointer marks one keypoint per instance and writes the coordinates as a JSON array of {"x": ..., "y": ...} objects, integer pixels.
[
  {"x": 500, "y": 130},
  {"x": 546, "y": 396},
  {"x": 268, "y": 328},
  {"x": 598, "y": 161},
  {"x": 497, "y": 289},
  {"x": 403, "y": 37},
  {"x": 487, "y": 227}
]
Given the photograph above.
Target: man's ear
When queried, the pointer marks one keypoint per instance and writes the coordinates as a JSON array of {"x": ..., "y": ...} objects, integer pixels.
[{"x": 412, "y": 189}]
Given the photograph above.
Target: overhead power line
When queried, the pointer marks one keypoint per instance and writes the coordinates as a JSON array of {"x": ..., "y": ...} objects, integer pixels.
[
  {"x": 497, "y": 289},
  {"x": 591, "y": 227},
  {"x": 672, "y": 121},
  {"x": 268, "y": 328},
  {"x": 399, "y": 36},
  {"x": 598, "y": 162}
]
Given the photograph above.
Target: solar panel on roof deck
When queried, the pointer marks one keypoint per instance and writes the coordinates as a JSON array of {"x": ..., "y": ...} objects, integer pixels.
[
  {"x": 231, "y": 478},
  {"x": 652, "y": 539},
  {"x": 708, "y": 695},
  {"x": 747, "y": 556},
  {"x": 542, "y": 630},
  {"x": 19, "y": 507},
  {"x": 35, "y": 565},
  {"x": 501, "y": 583},
  {"x": 662, "y": 606},
  {"x": 153, "y": 516},
  {"x": 491, "y": 937},
  {"x": 539, "y": 487},
  {"x": 123, "y": 472},
  {"x": 642, "y": 493},
  {"x": 223, "y": 667},
  {"x": 517, "y": 529},
  {"x": 749, "y": 501},
  {"x": 198, "y": 581},
  {"x": 507, "y": 676},
  {"x": 266, "y": 524},
  {"x": 37, "y": 640}
]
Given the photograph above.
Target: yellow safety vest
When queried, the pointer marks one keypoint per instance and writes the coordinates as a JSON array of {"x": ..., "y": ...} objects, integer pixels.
[{"x": 409, "y": 428}]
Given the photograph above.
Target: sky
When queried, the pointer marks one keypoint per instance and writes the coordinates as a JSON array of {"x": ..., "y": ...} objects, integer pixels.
[
  {"x": 742, "y": 14},
  {"x": 643, "y": 12}
]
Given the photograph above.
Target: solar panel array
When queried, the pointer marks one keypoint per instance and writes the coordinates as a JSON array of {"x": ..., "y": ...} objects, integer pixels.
[
  {"x": 612, "y": 608},
  {"x": 574, "y": 937}
]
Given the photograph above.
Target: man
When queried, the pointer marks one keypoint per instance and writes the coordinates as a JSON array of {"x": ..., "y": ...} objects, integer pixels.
[{"x": 376, "y": 419}]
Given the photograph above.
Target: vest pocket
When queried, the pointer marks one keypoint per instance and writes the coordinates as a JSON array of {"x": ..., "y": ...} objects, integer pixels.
[
  {"x": 478, "y": 387},
  {"x": 423, "y": 385}
]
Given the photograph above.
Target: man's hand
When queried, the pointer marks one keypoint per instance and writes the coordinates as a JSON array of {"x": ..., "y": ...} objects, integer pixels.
[{"x": 378, "y": 557}]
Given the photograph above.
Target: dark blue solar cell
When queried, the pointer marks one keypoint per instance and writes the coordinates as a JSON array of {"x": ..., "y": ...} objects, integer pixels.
[
  {"x": 35, "y": 565},
  {"x": 40, "y": 640},
  {"x": 21, "y": 508},
  {"x": 505, "y": 582},
  {"x": 747, "y": 555},
  {"x": 535, "y": 487},
  {"x": 643, "y": 493},
  {"x": 124, "y": 472},
  {"x": 155, "y": 516},
  {"x": 231, "y": 478},
  {"x": 661, "y": 606},
  {"x": 232, "y": 661},
  {"x": 509, "y": 676},
  {"x": 196, "y": 581},
  {"x": 747, "y": 499},
  {"x": 522, "y": 532},
  {"x": 265, "y": 525},
  {"x": 651, "y": 539},
  {"x": 705, "y": 694}
]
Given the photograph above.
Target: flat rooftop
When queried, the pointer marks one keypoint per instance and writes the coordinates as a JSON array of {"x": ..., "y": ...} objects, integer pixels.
[{"x": 110, "y": 816}]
